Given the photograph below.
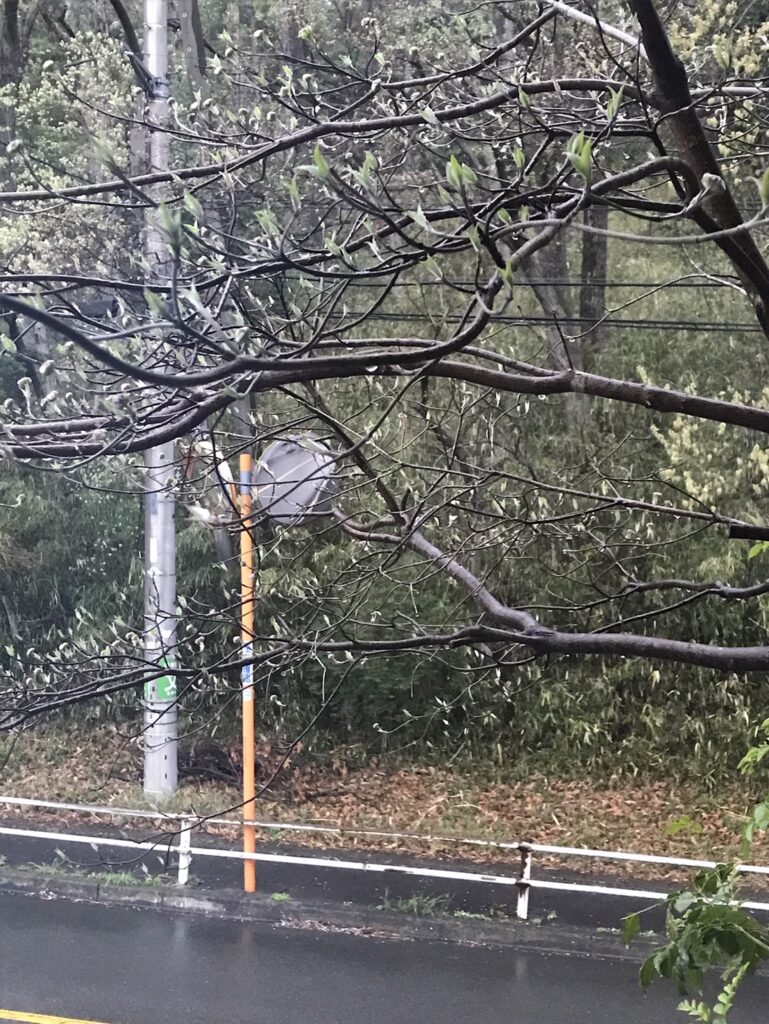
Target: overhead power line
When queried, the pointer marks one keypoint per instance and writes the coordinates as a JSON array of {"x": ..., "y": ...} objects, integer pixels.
[
  {"x": 560, "y": 282},
  {"x": 699, "y": 326}
]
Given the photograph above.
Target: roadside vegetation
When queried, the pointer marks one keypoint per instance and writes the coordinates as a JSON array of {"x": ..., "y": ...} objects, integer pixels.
[
  {"x": 672, "y": 817},
  {"x": 507, "y": 264}
]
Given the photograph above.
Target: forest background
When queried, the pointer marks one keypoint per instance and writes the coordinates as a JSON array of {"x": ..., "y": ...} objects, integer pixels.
[{"x": 588, "y": 749}]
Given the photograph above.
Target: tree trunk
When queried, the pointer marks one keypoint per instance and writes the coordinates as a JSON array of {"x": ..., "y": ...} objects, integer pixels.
[
  {"x": 193, "y": 42},
  {"x": 718, "y": 210},
  {"x": 592, "y": 296},
  {"x": 290, "y": 43},
  {"x": 11, "y": 54},
  {"x": 11, "y": 70}
]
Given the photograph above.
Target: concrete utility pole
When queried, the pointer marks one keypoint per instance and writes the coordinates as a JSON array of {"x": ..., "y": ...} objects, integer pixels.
[{"x": 160, "y": 754}]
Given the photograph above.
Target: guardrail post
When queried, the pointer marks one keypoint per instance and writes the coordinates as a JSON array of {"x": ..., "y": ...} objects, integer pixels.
[
  {"x": 522, "y": 903},
  {"x": 185, "y": 857}
]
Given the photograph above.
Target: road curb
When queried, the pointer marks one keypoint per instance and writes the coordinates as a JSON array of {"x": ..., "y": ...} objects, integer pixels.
[{"x": 319, "y": 916}]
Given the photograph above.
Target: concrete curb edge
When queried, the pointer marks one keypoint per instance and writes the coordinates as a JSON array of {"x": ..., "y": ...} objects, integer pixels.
[{"x": 353, "y": 919}]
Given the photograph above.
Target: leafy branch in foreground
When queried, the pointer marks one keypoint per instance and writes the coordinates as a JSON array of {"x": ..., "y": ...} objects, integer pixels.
[{"x": 707, "y": 928}]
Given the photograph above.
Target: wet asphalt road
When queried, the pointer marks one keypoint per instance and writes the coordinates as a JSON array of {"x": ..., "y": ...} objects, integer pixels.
[{"x": 128, "y": 966}]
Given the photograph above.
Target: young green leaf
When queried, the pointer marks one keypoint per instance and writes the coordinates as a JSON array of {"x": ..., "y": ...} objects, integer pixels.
[
  {"x": 753, "y": 758},
  {"x": 268, "y": 222},
  {"x": 322, "y": 169},
  {"x": 434, "y": 267},
  {"x": 154, "y": 302},
  {"x": 418, "y": 217},
  {"x": 580, "y": 152},
  {"x": 615, "y": 99},
  {"x": 363, "y": 176},
  {"x": 763, "y": 189},
  {"x": 454, "y": 173},
  {"x": 723, "y": 53},
  {"x": 171, "y": 226},
  {"x": 647, "y": 972},
  {"x": 469, "y": 177},
  {"x": 758, "y": 548},
  {"x": 475, "y": 239},
  {"x": 506, "y": 273},
  {"x": 293, "y": 191},
  {"x": 631, "y": 926},
  {"x": 192, "y": 204}
]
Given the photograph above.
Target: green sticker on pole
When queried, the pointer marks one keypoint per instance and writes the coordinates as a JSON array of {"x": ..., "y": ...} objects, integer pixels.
[{"x": 163, "y": 688}]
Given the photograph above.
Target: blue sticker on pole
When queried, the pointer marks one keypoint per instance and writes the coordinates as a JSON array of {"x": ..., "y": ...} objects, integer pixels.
[{"x": 247, "y": 672}]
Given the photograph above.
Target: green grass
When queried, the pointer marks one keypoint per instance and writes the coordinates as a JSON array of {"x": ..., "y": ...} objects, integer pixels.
[
  {"x": 48, "y": 870},
  {"x": 439, "y": 905},
  {"x": 129, "y": 878},
  {"x": 418, "y": 905},
  {"x": 63, "y": 867}
]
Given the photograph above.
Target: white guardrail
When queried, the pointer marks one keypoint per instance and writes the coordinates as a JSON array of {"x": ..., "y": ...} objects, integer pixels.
[{"x": 523, "y": 881}]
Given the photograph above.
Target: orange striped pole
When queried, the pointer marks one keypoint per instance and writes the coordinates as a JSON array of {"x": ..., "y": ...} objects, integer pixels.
[{"x": 247, "y": 672}]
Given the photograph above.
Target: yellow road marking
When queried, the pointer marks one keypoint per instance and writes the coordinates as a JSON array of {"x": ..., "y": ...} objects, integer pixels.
[{"x": 40, "y": 1018}]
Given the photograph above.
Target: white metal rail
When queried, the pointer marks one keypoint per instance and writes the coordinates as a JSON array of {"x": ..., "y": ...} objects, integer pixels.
[{"x": 522, "y": 881}]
